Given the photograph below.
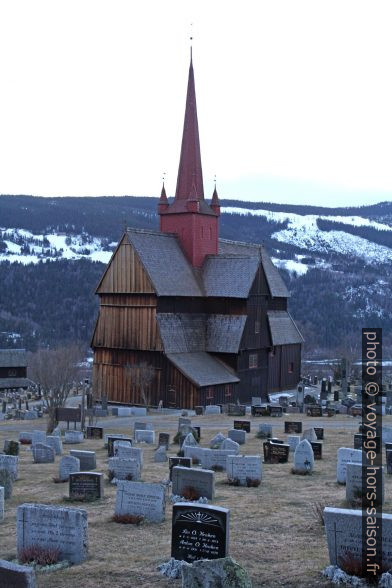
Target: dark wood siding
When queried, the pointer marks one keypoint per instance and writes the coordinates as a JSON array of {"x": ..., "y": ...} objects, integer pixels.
[{"x": 279, "y": 375}]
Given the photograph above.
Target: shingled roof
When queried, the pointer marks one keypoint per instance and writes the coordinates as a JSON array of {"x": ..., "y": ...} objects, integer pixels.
[
  {"x": 282, "y": 328},
  {"x": 202, "y": 369},
  {"x": 228, "y": 274},
  {"x": 165, "y": 263},
  {"x": 224, "y": 332},
  {"x": 275, "y": 283},
  {"x": 184, "y": 333},
  {"x": 13, "y": 358}
]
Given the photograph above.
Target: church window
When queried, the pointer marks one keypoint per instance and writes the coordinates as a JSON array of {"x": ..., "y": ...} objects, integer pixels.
[{"x": 253, "y": 360}]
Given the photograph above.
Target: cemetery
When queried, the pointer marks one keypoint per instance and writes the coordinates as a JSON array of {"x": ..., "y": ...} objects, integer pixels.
[{"x": 250, "y": 500}]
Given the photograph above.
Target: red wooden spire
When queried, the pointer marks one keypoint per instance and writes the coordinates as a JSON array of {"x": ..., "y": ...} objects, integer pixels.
[{"x": 189, "y": 170}]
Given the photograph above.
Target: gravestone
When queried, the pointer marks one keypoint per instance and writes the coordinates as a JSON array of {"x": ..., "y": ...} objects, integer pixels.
[
  {"x": 121, "y": 449},
  {"x": 293, "y": 410},
  {"x": 275, "y": 411},
  {"x": 87, "y": 459},
  {"x": 160, "y": 454},
  {"x": 293, "y": 441},
  {"x": 94, "y": 432},
  {"x": 184, "y": 421},
  {"x": 346, "y": 455},
  {"x": 244, "y": 470},
  {"x": 215, "y": 459},
  {"x": 236, "y": 410},
  {"x": 199, "y": 532},
  {"x": 43, "y": 453},
  {"x": 107, "y": 435},
  {"x": 68, "y": 465},
  {"x": 199, "y": 410},
  {"x": 319, "y": 433},
  {"x": 145, "y": 437},
  {"x": 11, "y": 464},
  {"x": 275, "y": 452},
  {"x": 303, "y": 458},
  {"x": 189, "y": 441},
  {"x": 185, "y": 462},
  {"x": 141, "y": 499},
  {"x": 314, "y": 410},
  {"x": 54, "y": 527},
  {"x": 317, "y": 447},
  {"x": 38, "y": 437},
  {"x": 237, "y": 435},
  {"x": 217, "y": 441},
  {"x": 124, "y": 469},
  {"x": 11, "y": 447},
  {"x": 112, "y": 439},
  {"x": 242, "y": 426},
  {"x": 265, "y": 431},
  {"x": 344, "y": 535},
  {"x": 73, "y": 437},
  {"x": 259, "y": 411},
  {"x": 139, "y": 410},
  {"x": 131, "y": 453},
  {"x": 212, "y": 409},
  {"x": 141, "y": 426},
  {"x": 197, "y": 429},
  {"x": 230, "y": 444},
  {"x": 202, "y": 481},
  {"x": 195, "y": 453},
  {"x": 6, "y": 482},
  {"x": 293, "y": 427},
  {"x": 331, "y": 412},
  {"x": 310, "y": 435},
  {"x": 85, "y": 486},
  {"x": 355, "y": 473},
  {"x": 256, "y": 401},
  {"x": 13, "y": 575},
  {"x": 164, "y": 440},
  {"x": 2, "y": 493},
  {"x": 373, "y": 443},
  {"x": 389, "y": 461},
  {"x": 55, "y": 442}
]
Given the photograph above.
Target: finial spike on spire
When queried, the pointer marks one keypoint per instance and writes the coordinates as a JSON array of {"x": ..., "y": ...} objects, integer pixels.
[{"x": 191, "y": 39}]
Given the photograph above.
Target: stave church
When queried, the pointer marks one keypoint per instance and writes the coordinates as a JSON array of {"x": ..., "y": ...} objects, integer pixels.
[{"x": 207, "y": 314}]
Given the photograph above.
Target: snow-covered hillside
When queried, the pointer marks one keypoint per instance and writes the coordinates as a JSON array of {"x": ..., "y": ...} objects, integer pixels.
[
  {"x": 24, "y": 247},
  {"x": 304, "y": 232}
]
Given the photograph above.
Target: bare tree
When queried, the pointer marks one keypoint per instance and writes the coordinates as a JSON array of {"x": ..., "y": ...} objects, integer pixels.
[
  {"x": 141, "y": 376},
  {"x": 56, "y": 371}
]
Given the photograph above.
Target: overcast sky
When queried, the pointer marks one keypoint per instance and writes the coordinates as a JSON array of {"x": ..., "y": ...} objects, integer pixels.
[{"x": 294, "y": 97}]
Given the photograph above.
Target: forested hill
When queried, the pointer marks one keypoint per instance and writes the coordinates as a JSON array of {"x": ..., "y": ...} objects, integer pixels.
[{"x": 336, "y": 262}]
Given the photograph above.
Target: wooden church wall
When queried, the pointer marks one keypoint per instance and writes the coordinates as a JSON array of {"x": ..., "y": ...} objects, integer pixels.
[
  {"x": 125, "y": 273},
  {"x": 284, "y": 367}
]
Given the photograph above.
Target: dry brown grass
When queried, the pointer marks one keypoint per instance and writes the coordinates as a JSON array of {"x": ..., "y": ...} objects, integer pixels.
[{"x": 273, "y": 530}]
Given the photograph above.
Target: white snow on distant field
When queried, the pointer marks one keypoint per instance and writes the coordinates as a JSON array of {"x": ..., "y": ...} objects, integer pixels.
[
  {"x": 302, "y": 231},
  {"x": 291, "y": 265},
  {"x": 26, "y": 247}
]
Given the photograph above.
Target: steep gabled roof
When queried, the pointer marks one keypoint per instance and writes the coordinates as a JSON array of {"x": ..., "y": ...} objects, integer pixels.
[
  {"x": 275, "y": 283},
  {"x": 13, "y": 358},
  {"x": 165, "y": 263},
  {"x": 282, "y": 328},
  {"x": 229, "y": 275},
  {"x": 182, "y": 332},
  {"x": 202, "y": 369},
  {"x": 192, "y": 332},
  {"x": 224, "y": 332}
]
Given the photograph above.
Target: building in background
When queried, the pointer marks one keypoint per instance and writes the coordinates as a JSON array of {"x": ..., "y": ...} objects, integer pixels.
[
  {"x": 209, "y": 315},
  {"x": 13, "y": 369}
]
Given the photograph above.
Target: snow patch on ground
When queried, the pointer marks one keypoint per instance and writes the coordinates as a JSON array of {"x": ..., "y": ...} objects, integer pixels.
[
  {"x": 25, "y": 247},
  {"x": 302, "y": 231}
]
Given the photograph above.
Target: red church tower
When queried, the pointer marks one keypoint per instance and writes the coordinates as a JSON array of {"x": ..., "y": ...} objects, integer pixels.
[{"x": 190, "y": 217}]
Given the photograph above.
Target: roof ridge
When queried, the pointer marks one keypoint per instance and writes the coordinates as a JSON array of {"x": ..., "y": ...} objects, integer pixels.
[
  {"x": 244, "y": 243},
  {"x": 150, "y": 232}
]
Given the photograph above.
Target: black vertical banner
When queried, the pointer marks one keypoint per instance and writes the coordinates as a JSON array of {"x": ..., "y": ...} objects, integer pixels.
[{"x": 372, "y": 481}]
